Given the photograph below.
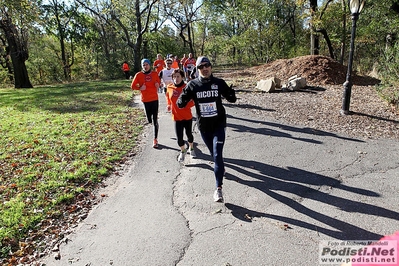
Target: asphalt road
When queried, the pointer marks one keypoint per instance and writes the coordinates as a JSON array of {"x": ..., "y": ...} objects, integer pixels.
[{"x": 287, "y": 189}]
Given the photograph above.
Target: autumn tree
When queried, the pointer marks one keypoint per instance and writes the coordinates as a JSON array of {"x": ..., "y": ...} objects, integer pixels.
[
  {"x": 252, "y": 30},
  {"x": 130, "y": 19}
]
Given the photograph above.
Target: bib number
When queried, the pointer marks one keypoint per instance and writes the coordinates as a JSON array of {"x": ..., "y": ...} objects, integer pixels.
[{"x": 208, "y": 109}]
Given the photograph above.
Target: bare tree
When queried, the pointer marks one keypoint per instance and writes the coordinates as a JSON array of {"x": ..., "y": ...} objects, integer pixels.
[{"x": 182, "y": 14}]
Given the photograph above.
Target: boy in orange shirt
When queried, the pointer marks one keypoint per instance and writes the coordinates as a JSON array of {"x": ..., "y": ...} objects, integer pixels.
[
  {"x": 181, "y": 116},
  {"x": 147, "y": 82}
]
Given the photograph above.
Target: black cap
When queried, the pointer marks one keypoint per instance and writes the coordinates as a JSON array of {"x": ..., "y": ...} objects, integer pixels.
[{"x": 201, "y": 60}]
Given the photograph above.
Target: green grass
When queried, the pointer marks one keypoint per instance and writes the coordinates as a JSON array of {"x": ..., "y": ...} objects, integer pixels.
[{"x": 54, "y": 141}]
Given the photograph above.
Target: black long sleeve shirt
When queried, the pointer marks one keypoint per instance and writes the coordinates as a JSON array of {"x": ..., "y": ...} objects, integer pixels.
[{"x": 207, "y": 95}]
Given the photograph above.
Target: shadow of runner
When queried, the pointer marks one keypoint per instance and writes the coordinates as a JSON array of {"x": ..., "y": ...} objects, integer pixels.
[
  {"x": 279, "y": 133},
  {"x": 271, "y": 179},
  {"x": 295, "y": 181},
  {"x": 345, "y": 231},
  {"x": 269, "y": 132}
]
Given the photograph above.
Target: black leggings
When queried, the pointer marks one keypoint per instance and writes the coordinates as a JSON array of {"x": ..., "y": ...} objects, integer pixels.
[
  {"x": 180, "y": 126},
  {"x": 215, "y": 143},
  {"x": 151, "y": 111}
]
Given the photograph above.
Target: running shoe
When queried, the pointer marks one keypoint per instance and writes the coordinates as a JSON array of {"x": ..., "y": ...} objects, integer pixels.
[
  {"x": 192, "y": 153},
  {"x": 155, "y": 145},
  {"x": 218, "y": 195},
  {"x": 181, "y": 156}
]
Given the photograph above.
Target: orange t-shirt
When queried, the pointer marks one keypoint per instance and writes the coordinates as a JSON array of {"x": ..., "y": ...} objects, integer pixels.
[
  {"x": 159, "y": 64},
  {"x": 172, "y": 94},
  {"x": 151, "y": 92},
  {"x": 175, "y": 65}
]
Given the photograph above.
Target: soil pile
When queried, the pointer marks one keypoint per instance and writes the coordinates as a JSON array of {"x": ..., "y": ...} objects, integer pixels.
[{"x": 317, "y": 70}]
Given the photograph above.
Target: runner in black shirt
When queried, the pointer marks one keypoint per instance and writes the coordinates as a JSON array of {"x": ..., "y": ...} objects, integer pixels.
[{"x": 207, "y": 92}]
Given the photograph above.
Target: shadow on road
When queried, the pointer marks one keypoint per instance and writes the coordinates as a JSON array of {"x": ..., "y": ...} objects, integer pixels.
[
  {"x": 267, "y": 129},
  {"x": 270, "y": 179}
]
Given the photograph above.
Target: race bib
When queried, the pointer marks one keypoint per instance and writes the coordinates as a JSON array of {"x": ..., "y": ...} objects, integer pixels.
[{"x": 208, "y": 109}]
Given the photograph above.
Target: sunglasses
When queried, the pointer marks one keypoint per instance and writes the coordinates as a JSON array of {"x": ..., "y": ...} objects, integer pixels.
[
  {"x": 168, "y": 63},
  {"x": 204, "y": 65}
]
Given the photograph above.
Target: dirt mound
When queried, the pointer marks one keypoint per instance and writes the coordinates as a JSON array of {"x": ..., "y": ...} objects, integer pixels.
[{"x": 317, "y": 70}]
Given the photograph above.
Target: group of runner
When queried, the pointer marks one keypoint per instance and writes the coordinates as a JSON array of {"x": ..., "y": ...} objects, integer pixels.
[
  {"x": 204, "y": 92},
  {"x": 187, "y": 64}
]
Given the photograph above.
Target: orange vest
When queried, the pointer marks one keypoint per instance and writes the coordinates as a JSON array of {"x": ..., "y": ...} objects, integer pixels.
[{"x": 172, "y": 94}]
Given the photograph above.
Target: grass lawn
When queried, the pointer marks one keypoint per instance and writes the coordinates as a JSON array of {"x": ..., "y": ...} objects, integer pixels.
[{"x": 56, "y": 143}]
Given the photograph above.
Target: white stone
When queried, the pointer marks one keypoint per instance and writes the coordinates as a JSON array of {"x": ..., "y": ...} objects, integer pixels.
[
  {"x": 297, "y": 83},
  {"x": 268, "y": 85}
]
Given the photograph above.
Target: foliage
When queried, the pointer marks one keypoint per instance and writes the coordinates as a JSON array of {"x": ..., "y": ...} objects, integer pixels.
[
  {"x": 55, "y": 141},
  {"x": 274, "y": 26},
  {"x": 389, "y": 71},
  {"x": 234, "y": 32},
  {"x": 43, "y": 64},
  {"x": 164, "y": 42},
  {"x": 333, "y": 26},
  {"x": 376, "y": 22}
]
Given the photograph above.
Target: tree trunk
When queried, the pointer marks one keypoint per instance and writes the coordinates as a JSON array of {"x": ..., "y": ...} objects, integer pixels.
[
  {"x": 190, "y": 36},
  {"x": 314, "y": 38},
  {"x": 18, "y": 53},
  {"x": 343, "y": 34},
  {"x": 314, "y": 43},
  {"x": 139, "y": 39},
  {"x": 65, "y": 64},
  {"x": 62, "y": 36},
  {"x": 7, "y": 63},
  {"x": 21, "y": 76},
  {"x": 330, "y": 49}
]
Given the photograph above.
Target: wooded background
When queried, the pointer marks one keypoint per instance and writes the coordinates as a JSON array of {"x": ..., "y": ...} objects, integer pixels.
[{"x": 44, "y": 42}]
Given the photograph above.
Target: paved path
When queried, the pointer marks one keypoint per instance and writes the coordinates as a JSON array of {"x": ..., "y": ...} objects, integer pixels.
[{"x": 286, "y": 189}]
